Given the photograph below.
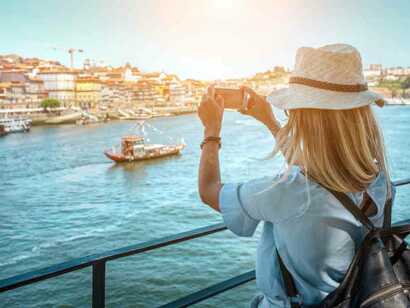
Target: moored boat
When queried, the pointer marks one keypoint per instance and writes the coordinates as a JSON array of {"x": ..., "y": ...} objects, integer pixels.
[
  {"x": 131, "y": 115},
  {"x": 134, "y": 148},
  {"x": 15, "y": 125}
]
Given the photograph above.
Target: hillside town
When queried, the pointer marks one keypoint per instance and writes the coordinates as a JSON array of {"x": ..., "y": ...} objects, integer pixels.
[
  {"x": 126, "y": 92},
  {"x": 26, "y": 82}
]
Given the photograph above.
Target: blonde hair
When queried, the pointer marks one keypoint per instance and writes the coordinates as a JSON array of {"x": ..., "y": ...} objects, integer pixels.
[{"x": 341, "y": 149}]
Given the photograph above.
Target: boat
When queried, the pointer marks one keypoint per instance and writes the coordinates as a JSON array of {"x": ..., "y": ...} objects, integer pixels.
[
  {"x": 86, "y": 121},
  {"x": 142, "y": 116},
  {"x": 131, "y": 115},
  {"x": 17, "y": 125},
  {"x": 88, "y": 118},
  {"x": 134, "y": 148},
  {"x": 3, "y": 131}
]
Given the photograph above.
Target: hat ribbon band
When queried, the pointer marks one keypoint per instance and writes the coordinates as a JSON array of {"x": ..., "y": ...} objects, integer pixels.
[{"x": 328, "y": 85}]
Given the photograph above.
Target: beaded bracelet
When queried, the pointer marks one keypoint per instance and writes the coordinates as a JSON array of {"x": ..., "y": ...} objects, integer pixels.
[{"x": 211, "y": 139}]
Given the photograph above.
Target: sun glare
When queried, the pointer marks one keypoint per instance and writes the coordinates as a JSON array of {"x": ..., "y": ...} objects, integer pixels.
[{"x": 223, "y": 4}]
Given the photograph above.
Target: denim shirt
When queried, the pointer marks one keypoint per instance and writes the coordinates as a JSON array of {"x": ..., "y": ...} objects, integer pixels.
[{"x": 315, "y": 236}]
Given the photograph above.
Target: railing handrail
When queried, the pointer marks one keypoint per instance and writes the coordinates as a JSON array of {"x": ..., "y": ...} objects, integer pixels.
[
  {"x": 401, "y": 182},
  {"x": 211, "y": 291},
  {"x": 97, "y": 261},
  {"x": 82, "y": 262}
]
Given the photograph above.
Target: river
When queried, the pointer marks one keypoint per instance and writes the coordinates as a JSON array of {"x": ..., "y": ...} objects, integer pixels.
[{"x": 61, "y": 198}]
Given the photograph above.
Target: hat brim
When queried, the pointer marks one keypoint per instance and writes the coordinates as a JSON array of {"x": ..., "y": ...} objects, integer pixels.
[{"x": 298, "y": 96}]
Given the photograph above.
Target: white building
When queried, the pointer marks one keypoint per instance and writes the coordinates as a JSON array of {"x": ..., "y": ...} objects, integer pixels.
[
  {"x": 59, "y": 85},
  {"x": 397, "y": 71},
  {"x": 374, "y": 71},
  {"x": 35, "y": 92},
  {"x": 131, "y": 75},
  {"x": 177, "y": 92}
]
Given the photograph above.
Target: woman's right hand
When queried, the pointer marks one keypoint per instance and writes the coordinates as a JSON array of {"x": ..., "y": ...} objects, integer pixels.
[{"x": 260, "y": 109}]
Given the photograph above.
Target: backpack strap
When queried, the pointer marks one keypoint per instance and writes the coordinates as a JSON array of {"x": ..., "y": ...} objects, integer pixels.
[
  {"x": 290, "y": 287},
  {"x": 387, "y": 213},
  {"x": 349, "y": 205}
]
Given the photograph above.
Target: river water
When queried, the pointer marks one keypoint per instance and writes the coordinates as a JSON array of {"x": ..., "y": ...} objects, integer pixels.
[{"x": 61, "y": 198}]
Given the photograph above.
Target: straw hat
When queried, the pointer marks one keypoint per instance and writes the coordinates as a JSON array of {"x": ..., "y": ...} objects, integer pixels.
[{"x": 329, "y": 77}]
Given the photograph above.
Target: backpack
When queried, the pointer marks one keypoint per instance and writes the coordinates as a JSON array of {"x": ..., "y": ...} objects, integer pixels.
[{"x": 379, "y": 274}]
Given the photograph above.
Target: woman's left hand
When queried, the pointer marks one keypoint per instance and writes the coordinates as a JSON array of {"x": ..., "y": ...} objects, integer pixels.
[{"x": 211, "y": 112}]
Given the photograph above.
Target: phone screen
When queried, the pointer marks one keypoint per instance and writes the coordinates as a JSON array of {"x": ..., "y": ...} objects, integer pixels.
[{"x": 233, "y": 98}]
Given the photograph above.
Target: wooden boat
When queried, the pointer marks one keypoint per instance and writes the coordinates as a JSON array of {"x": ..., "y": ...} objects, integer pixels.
[{"x": 133, "y": 148}]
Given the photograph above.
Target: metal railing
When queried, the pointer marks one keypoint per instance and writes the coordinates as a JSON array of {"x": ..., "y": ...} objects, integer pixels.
[{"x": 98, "y": 263}]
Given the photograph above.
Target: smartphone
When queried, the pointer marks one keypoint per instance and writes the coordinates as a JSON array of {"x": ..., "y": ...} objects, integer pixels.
[{"x": 233, "y": 98}]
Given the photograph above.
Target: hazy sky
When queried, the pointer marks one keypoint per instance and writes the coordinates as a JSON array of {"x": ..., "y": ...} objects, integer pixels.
[{"x": 203, "y": 38}]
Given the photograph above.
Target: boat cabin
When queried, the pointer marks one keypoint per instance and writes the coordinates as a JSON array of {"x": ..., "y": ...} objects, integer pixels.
[{"x": 132, "y": 145}]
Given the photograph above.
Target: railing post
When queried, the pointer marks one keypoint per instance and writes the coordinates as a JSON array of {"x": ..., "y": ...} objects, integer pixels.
[{"x": 99, "y": 284}]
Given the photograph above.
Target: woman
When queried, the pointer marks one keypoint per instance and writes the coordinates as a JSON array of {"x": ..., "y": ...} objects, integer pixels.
[{"x": 331, "y": 141}]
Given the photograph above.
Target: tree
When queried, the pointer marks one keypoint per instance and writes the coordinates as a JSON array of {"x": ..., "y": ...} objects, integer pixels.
[
  {"x": 405, "y": 84},
  {"x": 50, "y": 103},
  {"x": 393, "y": 93}
]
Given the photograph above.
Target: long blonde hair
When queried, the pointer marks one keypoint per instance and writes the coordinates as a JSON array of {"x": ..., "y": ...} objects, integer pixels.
[{"x": 341, "y": 149}]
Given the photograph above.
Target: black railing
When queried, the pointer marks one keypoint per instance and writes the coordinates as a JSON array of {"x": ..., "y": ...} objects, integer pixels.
[{"x": 98, "y": 263}]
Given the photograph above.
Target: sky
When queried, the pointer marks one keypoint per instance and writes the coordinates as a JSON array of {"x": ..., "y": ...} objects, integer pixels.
[{"x": 204, "y": 39}]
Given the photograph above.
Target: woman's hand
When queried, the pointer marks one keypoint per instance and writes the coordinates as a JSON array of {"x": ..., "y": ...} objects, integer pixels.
[
  {"x": 211, "y": 112},
  {"x": 260, "y": 109}
]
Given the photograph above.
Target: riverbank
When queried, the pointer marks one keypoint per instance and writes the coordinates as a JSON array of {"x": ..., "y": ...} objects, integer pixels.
[
  {"x": 40, "y": 117},
  {"x": 76, "y": 115}
]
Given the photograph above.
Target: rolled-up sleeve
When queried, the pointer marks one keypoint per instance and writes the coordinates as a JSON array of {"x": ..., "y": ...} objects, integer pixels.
[
  {"x": 273, "y": 199},
  {"x": 236, "y": 218}
]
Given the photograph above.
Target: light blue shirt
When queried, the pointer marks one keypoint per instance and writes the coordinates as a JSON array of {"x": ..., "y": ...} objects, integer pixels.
[{"x": 315, "y": 236}]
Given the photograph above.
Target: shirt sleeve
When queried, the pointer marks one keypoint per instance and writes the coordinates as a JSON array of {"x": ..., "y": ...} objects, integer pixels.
[
  {"x": 273, "y": 199},
  {"x": 234, "y": 215}
]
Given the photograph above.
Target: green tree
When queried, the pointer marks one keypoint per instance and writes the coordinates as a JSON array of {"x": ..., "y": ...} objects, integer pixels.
[
  {"x": 393, "y": 93},
  {"x": 50, "y": 103},
  {"x": 405, "y": 84}
]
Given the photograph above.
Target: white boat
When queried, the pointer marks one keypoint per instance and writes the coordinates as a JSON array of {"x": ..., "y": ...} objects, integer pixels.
[
  {"x": 15, "y": 125},
  {"x": 131, "y": 115}
]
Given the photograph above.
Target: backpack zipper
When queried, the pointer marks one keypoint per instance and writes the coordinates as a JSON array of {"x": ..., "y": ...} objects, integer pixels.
[{"x": 388, "y": 291}]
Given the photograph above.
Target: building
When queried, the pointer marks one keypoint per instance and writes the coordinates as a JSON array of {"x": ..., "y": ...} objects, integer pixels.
[
  {"x": 374, "y": 71},
  {"x": 398, "y": 71},
  {"x": 14, "y": 95},
  {"x": 4, "y": 90},
  {"x": 145, "y": 92},
  {"x": 375, "y": 67},
  {"x": 115, "y": 95},
  {"x": 60, "y": 85},
  {"x": 194, "y": 88},
  {"x": 131, "y": 74},
  {"x": 13, "y": 76},
  {"x": 87, "y": 92},
  {"x": 177, "y": 91},
  {"x": 34, "y": 92}
]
